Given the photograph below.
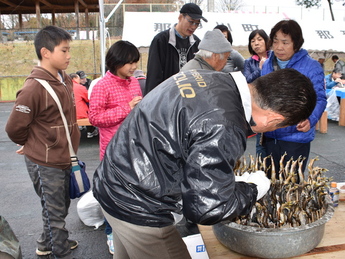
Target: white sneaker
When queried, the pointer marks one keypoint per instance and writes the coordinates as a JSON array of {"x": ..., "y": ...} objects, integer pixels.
[{"x": 110, "y": 243}]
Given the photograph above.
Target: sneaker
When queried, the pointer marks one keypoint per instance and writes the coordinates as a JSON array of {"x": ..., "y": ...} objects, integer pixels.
[
  {"x": 95, "y": 132},
  {"x": 89, "y": 135},
  {"x": 72, "y": 243},
  {"x": 110, "y": 243}
]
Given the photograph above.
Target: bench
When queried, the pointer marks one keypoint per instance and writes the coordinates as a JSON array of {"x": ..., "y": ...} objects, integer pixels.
[{"x": 84, "y": 122}]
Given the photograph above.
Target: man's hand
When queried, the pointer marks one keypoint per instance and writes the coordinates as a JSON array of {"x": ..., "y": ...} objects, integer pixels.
[{"x": 261, "y": 181}]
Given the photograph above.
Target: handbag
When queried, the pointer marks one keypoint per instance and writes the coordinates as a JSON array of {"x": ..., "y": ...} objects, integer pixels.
[{"x": 79, "y": 181}]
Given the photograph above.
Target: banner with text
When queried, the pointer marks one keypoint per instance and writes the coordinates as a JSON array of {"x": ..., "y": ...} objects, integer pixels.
[{"x": 317, "y": 35}]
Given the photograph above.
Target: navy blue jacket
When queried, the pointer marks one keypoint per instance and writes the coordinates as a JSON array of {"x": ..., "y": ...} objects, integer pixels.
[{"x": 251, "y": 69}]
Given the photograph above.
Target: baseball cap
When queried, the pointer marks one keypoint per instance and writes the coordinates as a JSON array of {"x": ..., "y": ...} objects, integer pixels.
[
  {"x": 81, "y": 74},
  {"x": 193, "y": 11}
]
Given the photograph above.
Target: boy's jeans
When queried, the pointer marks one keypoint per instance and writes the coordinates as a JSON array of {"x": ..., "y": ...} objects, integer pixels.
[{"x": 52, "y": 186}]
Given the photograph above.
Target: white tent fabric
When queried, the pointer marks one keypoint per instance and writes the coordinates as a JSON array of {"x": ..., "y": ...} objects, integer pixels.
[{"x": 141, "y": 27}]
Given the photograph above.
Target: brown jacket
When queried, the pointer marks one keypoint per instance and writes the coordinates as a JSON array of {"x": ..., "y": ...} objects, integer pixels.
[{"x": 36, "y": 123}]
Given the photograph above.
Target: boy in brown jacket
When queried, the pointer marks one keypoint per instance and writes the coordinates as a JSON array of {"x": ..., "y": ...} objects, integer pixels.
[{"x": 36, "y": 124}]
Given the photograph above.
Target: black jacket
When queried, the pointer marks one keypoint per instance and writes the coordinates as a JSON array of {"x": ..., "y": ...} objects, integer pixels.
[
  {"x": 180, "y": 142},
  {"x": 164, "y": 60}
]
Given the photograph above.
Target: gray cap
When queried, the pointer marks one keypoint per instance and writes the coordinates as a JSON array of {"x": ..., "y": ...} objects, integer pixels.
[{"x": 215, "y": 41}]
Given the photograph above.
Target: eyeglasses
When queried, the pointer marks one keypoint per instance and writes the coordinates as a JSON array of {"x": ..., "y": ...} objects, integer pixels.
[{"x": 197, "y": 24}]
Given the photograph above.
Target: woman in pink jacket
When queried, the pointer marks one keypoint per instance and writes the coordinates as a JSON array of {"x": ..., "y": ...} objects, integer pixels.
[
  {"x": 117, "y": 93},
  {"x": 113, "y": 98}
]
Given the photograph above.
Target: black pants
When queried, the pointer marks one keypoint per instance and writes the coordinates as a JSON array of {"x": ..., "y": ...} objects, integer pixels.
[{"x": 277, "y": 148}]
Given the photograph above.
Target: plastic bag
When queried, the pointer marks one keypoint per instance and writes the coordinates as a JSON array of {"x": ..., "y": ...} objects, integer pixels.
[
  {"x": 89, "y": 211},
  {"x": 332, "y": 106}
]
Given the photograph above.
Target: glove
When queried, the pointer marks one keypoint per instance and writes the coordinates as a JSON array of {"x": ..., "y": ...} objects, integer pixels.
[
  {"x": 242, "y": 178},
  {"x": 261, "y": 181}
]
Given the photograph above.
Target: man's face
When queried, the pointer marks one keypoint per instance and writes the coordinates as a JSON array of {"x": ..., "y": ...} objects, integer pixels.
[
  {"x": 265, "y": 120},
  {"x": 186, "y": 25},
  {"x": 220, "y": 63},
  {"x": 83, "y": 80}
]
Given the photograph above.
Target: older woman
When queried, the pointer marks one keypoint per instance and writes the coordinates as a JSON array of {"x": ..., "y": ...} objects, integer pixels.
[
  {"x": 258, "y": 48},
  {"x": 286, "y": 40}
]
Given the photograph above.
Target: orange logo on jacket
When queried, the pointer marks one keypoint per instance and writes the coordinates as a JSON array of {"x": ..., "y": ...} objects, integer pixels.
[{"x": 186, "y": 89}]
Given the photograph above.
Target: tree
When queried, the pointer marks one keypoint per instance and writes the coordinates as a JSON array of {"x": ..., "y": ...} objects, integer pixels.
[
  {"x": 229, "y": 5},
  {"x": 317, "y": 3}
]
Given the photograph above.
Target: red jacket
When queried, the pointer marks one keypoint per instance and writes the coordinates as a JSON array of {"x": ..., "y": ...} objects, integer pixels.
[{"x": 81, "y": 100}]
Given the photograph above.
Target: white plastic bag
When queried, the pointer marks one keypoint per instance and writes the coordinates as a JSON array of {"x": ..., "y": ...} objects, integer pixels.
[
  {"x": 332, "y": 107},
  {"x": 89, "y": 211}
]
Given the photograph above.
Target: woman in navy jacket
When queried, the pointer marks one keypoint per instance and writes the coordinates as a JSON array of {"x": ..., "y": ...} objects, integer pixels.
[
  {"x": 286, "y": 40},
  {"x": 258, "y": 48}
]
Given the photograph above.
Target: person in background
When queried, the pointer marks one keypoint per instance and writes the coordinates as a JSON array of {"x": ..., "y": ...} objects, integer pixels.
[
  {"x": 139, "y": 74},
  {"x": 321, "y": 60},
  {"x": 171, "y": 49},
  {"x": 176, "y": 151},
  {"x": 213, "y": 53},
  {"x": 80, "y": 97},
  {"x": 334, "y": 79},
  {"x": 113, "y": 97},
  {"x": 83, "y": 79},
  {"x": 339, "y": 64},
  {"x": 258, "y": 48},
  {"x": 235, "y": 60},
  {"x": 82, "y": 104},
  {"x": 36, "y": 123},
  {"x": 286, "y": 40}
]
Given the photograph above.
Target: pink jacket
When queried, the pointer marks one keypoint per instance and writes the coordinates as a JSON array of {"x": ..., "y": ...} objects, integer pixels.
[{"x": 109, "y": 105}]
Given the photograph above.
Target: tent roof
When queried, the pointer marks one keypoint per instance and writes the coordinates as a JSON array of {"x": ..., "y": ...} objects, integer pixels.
[{"x": 46, "y": 6}]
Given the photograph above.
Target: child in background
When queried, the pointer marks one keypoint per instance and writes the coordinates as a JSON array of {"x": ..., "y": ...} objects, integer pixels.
[
  {"x": 114, "y": 96},
  {"x": 35, "y": 123}
]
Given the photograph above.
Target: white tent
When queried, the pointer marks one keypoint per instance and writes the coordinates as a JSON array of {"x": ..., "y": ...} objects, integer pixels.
[{"x": 319, "y": 36}]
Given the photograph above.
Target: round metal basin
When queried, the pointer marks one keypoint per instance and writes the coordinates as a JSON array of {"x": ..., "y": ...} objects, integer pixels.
[{"x": 272, "y": 242}]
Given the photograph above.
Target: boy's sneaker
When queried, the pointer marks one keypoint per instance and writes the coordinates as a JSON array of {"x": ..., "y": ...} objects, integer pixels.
[
  {"x": 72, "y": 243},
  {"x": 110, "y": 243}
]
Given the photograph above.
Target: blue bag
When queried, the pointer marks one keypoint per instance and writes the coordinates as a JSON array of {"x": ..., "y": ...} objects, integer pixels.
[{"x": 79, "y": 181}]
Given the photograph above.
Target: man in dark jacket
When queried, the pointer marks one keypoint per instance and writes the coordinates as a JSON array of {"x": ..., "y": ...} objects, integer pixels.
[
  {"x": 175, "y": 153},
  {"x": 171, "y": 49}
]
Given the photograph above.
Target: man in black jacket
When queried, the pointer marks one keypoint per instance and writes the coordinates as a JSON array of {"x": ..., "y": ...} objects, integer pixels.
[
  {"x": 175, "y": 153},
  {"x": 171, "y": 49}
]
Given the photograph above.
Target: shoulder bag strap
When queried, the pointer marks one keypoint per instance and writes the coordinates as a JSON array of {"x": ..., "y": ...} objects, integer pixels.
[{"x": 50, "y": 90}]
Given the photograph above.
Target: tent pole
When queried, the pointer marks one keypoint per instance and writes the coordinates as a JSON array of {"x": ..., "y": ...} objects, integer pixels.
[{"x": 102, "y": 35}]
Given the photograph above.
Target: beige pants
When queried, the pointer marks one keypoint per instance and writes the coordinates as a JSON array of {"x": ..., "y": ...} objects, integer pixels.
[{"x": 141, "y": 242}]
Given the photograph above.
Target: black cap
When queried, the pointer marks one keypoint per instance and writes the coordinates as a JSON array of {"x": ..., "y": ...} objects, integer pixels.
[
  {"x": 81, "y": 74},
  {"x": 193, "y": 11}
]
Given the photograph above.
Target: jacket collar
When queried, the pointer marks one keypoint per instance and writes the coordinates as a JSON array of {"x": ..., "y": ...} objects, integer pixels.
[{"x": 243, "y": 88}]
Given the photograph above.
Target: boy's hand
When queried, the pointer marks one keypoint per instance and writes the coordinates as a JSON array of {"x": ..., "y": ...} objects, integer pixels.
[{"x": 20, "y": 151}]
